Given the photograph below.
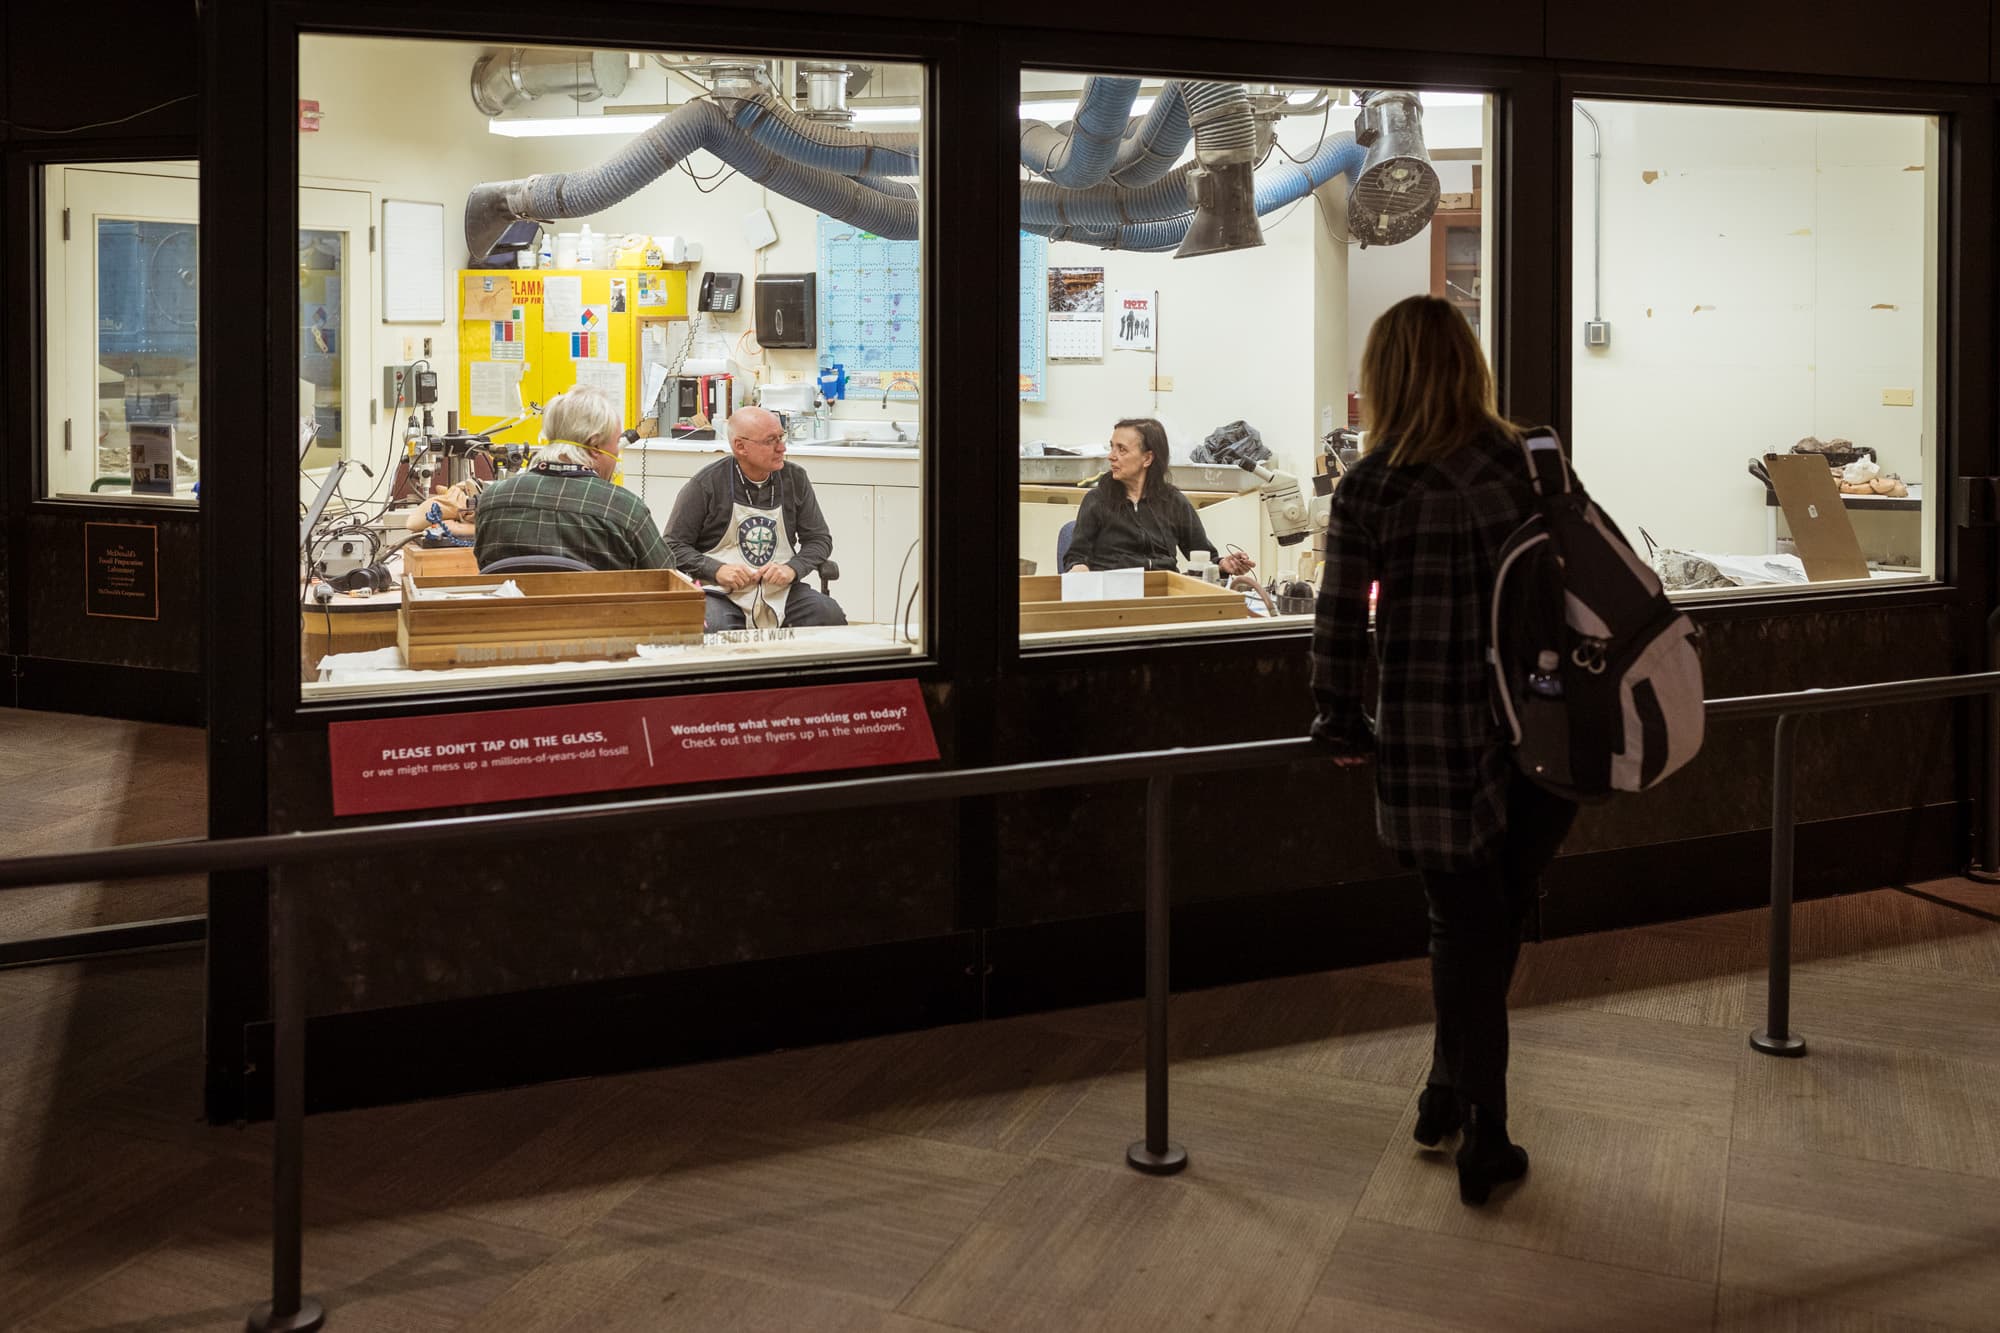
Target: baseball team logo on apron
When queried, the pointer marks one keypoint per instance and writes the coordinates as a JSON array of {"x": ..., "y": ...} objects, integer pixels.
[{"x": 757, "y": 538}]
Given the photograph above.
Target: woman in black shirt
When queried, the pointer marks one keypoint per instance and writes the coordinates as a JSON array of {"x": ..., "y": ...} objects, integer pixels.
[{"x": 1136, "y": 518}]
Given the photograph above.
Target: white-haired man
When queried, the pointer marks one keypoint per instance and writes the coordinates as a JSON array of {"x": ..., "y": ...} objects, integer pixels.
[
  {"x": 565, "y": 503},
  {"x": 751, "y": 526}
]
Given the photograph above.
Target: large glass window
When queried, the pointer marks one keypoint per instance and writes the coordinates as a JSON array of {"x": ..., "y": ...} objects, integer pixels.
[
  {"x": 1214, "y": 287},
  {"x": 724, "y": 247},
  {"x": 1754, "y": 366},
  {"x": 121, "y": 323}
]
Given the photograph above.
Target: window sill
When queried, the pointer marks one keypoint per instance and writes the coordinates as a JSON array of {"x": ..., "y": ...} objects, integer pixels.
[{"x": 381, "y": 675}]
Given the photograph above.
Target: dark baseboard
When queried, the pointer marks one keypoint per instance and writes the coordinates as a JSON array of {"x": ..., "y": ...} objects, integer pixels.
[
  {"x": 100, "y": 689},
  {"x": 437, "y": 1050},
  {"x": 458, "y": 1046}
]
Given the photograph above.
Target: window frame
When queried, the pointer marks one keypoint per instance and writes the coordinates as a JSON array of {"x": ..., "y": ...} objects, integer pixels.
[
  {"x": 510, "y": 22},
  {"x": 1521, "y": 246},
  {"x": 1964, "y": 407}
]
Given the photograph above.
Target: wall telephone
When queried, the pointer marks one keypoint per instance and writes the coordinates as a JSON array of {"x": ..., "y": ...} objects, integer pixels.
[{"x": 720, "y": 292}]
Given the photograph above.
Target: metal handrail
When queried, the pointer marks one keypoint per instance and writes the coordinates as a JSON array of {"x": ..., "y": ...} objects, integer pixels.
[{"x": 1155, "y": 1153}]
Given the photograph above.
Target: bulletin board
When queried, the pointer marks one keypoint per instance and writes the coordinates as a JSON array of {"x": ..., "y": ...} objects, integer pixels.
[
  {"x": 1034, "y": 317},
  {"x": 412, "y": 262},
  {"x": 868, "y": 293},
  {"x": 868, "y": 309}
]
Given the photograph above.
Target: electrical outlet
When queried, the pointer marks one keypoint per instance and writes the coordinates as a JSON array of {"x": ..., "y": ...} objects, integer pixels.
[
  {"x": 427, "y": 349},
  {"x": 1163, "y": 384},
  {"x": 1899, "y": 397},
  {"x": 1326, "y": 421}
]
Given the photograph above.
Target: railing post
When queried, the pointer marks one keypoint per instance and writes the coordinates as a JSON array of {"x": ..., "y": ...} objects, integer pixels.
[
  {"x": 1990, "y": 857},
  {"x": 288, "y": 1311},
  {"x": 1154, "y": 1154},
  {"x": 1776, "y": 1037}
]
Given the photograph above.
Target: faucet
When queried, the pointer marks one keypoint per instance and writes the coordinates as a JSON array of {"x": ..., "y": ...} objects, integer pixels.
[{"x": 890, "y": 387}]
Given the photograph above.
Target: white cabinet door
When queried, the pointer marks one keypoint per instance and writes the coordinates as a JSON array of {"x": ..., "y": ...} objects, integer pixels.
[
  {"x": 850, "y": 516},
  {"x": 898, "y": 517}
]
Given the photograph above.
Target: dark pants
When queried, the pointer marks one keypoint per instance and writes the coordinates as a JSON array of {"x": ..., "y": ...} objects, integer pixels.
[
  {"x": 803, "y": 606},
  {"x": 1476, "y": 918}
]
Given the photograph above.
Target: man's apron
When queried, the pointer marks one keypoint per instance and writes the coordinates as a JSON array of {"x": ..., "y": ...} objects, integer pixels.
[{"x": 757, "y": 538}]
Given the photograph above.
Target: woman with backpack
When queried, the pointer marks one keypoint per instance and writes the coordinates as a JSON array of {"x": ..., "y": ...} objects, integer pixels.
[{"x": 1442, "y": 486}]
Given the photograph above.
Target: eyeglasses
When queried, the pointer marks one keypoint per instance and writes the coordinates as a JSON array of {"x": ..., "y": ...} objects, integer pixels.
[{"x": 768, "y": 441}]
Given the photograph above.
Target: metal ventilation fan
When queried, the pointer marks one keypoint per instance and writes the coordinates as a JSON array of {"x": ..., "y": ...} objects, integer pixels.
[{"x": 1397, "y": 190}]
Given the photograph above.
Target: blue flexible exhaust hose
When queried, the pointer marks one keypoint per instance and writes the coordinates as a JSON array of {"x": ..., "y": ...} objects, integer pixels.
[
  {"x": 490, "y": 206},
  {"x": 830, "y": 148},
  {"x": 1153, "y": 146},
  {"x": 1280, "y": 181},
  {"x": 1082, "y": 151}
]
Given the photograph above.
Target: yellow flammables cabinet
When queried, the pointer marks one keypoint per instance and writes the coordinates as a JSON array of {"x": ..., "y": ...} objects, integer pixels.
[{"x": 525, "y": 335}]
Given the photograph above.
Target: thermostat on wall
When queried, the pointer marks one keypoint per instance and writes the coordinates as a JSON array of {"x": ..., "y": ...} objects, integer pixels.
[{"x": 758, "y": 229}]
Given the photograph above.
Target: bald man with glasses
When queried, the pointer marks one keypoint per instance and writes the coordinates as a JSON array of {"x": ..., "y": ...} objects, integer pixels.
[{"x": 751, "y": 529}]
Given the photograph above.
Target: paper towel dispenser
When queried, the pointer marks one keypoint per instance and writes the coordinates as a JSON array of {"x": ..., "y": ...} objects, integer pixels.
[{"x": 785, "y": 309}]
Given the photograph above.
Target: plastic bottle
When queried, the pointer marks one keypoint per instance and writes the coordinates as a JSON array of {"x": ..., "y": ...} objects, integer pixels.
[
  {"x": 548, "y": 255},
  {"x": 586, "y": 250},
  {"x": 1546, "y": 679}
]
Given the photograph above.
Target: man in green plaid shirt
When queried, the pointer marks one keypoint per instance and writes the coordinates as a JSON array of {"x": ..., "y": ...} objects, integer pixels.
[{"x": 565, "y": 503}]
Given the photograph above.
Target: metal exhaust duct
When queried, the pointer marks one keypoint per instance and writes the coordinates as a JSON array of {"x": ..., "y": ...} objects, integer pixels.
[
  {"x": 506, "y": 79},
  {"x": 1397, "y": 189},
  {"x": 1223, "y": 183}
]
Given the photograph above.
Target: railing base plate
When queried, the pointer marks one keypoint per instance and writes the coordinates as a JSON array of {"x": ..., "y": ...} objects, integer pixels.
[
  {"x": 1790, "y": 1047},
  {"x": 1141, "y": 1158},
  {"x": 309, "y": 1317}
]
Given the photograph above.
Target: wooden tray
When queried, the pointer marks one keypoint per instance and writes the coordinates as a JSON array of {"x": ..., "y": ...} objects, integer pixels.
[
  {"x": 1170, "y": 599},
  {"x": 563, "y": 618},
  {"x": 426, "y": 562}
]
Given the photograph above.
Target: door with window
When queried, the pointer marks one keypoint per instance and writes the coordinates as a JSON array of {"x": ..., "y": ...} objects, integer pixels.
[{"x": 122, "y": 274}]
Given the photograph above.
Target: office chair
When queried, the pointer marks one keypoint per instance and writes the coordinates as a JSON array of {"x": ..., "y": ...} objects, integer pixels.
[
  {"x": 1062, "y": 546},
  {"x": 829, "y": 570},
  {"x": 537, "y": 564}
]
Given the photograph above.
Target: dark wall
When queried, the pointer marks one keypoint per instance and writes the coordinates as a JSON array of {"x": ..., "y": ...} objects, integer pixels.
[{"x": 55, "y": 656}]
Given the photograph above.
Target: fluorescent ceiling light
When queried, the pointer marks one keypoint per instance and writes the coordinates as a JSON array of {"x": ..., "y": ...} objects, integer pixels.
[
  {"x": 888, "y": 115},
  {"x": 1452, "y": 99},
  {"x": 1058, "y": 112},
  {"x": 558, "y": 127}
]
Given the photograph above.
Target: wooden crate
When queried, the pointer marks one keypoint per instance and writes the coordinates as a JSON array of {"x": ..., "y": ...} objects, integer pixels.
[
  {"x": 426, "y": 562},
  {"x": 563, "y": 618},
  {"x": 1170, "y": 599}
]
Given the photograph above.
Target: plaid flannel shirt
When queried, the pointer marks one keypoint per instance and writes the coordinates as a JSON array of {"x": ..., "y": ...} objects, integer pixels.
[
  {"x": 1430, "y": 535},
  {"x": 586, "y": 518}
]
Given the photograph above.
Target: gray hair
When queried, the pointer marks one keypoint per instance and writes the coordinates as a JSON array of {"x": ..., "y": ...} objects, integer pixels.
[{"x": 584, "y": 415}]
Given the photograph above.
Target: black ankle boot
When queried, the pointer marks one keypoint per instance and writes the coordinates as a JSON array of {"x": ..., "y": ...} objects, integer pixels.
[
  {"x": 1438, "y": 1114},
  {"x": 1487, "y": 1157}
]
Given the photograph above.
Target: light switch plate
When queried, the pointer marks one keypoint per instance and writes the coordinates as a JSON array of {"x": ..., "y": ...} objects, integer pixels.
[
  {"x": 1163, "y": 383},
  {"x": 1899, "y": 397}
]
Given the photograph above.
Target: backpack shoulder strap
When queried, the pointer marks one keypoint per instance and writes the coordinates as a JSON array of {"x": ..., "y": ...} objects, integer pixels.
[{"x": 1547, "y": 467}]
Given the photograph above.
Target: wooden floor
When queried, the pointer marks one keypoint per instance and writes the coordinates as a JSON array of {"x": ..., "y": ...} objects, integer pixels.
[
  {"x": 71, "y": 783},
  {"x": 973, "y": 1178}
]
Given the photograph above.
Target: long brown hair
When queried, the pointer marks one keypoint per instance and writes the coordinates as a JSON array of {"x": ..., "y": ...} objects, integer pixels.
[{"x": 1425, "y": 388}]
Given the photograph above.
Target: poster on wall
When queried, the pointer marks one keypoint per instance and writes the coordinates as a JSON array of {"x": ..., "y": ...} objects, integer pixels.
[
  {"x": 1133, "y": 319},
  {"x": 1076, "y": 314},
  {"x": 121, "y": 570}
]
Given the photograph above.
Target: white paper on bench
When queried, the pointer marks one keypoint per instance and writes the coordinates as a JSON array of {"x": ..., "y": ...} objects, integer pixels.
[{"x": 1104, "y": 585}]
